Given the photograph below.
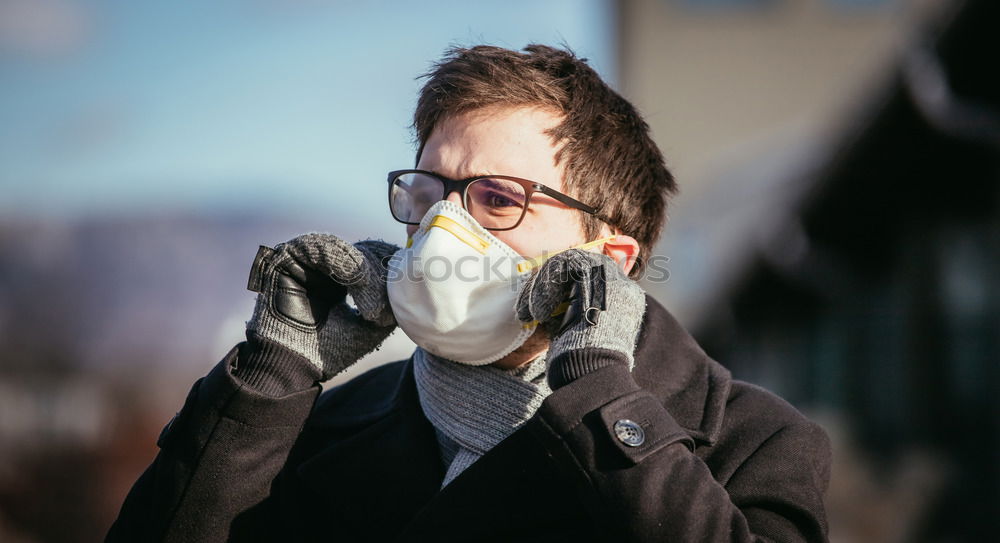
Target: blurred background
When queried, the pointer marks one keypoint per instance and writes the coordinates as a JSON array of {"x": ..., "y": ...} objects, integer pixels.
[{"x": 836, "y": 240}]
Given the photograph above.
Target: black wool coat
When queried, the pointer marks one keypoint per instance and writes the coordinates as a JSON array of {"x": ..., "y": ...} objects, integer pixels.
[{"x": 721, "y": 460}]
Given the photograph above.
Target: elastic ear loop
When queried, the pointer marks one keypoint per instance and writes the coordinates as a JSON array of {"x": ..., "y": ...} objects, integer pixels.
[{"x": 533, "y": 263}]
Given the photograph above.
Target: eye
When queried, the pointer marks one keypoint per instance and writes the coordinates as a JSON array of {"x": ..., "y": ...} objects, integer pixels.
[
  {"x": 497, "y": 195},
  {"x": 496, "y": 199}
]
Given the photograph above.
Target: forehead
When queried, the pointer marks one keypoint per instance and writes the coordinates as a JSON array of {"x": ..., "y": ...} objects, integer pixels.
[{"x": 508, "y": 141}]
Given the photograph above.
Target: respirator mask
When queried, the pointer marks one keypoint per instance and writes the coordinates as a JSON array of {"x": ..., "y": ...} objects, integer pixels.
[{"x": 454, "y": 288}]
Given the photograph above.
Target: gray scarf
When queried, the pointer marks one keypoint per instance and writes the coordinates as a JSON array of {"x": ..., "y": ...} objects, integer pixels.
[{"x": 473, "y": 408}]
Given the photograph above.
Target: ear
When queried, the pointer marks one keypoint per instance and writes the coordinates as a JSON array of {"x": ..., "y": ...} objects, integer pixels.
[{"x": 624, "y": 250}]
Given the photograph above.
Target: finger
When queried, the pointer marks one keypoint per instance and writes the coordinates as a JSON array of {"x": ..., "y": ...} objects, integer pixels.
[
  {"x": 341, "y": 346},
  {"x": 549, "y": 291},
  {"x": 523, "y": 306},
  {"x": 544, "y": 291},
  {"x": 380, "y": 250},
  {"x": 329, "y": 255},
  {"x": 373, "y": 305},
  {"x": 376, "y": 254},
  {"x": 370, "y": 293}
]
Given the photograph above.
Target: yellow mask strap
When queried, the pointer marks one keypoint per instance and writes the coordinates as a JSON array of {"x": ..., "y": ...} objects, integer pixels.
[
  {"x": 533, "y": 263},
  {"x": 559, "y": 310}
]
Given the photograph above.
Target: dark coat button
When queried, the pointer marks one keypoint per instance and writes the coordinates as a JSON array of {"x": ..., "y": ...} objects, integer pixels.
[{"x": 629, "y": 433}]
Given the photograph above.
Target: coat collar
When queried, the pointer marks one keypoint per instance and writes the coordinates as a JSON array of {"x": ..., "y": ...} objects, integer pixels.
[
  {"x": 388, "y": 466},
  {"x": 668, "y": 363},
  {"x": 389, "y": 434}
]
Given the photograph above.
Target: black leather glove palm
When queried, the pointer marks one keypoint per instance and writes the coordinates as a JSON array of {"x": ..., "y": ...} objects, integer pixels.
[{"x": 303, "y": 285}]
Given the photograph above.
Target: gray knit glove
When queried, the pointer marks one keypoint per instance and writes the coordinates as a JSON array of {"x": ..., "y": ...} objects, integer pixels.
[
  {"x": 302, "y": 306},
  {"x": 601, "y": 322}
]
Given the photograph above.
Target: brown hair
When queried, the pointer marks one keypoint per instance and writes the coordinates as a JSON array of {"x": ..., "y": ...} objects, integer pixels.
[{"x": 611, "y": 161}]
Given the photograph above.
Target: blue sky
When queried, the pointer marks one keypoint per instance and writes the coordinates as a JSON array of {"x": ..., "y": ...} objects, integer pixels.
[{"x": 297, "y": 107}]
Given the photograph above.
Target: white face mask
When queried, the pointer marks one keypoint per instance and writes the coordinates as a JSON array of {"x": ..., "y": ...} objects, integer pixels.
[{"x": 454, "y": 288}]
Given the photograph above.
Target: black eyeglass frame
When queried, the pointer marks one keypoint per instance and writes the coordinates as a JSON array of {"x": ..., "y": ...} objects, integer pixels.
[{"x": 460, "y": 185}]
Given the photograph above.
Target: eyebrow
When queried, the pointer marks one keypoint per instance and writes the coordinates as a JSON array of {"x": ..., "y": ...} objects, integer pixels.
[
  {"x": 495, "y": 184},
  {"x": 536, "y": 194},
  {"x": 480, "y": 174}
]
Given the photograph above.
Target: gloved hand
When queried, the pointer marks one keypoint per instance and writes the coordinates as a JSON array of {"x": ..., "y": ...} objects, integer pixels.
[
  {"x": 601, "y": 322},
  {"x": 302, "y": 307}
]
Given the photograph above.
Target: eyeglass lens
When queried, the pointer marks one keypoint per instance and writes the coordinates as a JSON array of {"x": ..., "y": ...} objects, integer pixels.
[{"x": 494, "y": 203}]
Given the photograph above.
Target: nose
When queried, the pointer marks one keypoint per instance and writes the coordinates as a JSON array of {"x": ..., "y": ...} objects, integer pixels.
[{"x": 455, "y": 197}]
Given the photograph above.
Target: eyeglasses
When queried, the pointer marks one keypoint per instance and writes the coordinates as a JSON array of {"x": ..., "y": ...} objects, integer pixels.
[{"x": 498, "y": 202}]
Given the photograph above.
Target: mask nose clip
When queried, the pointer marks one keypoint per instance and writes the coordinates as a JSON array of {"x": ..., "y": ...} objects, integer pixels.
[{"x": 463, "y": 234}]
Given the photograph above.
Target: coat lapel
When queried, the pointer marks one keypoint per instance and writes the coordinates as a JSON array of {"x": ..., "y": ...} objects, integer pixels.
[
  {"x": 383, "y": 469},
  {"x": 515, "y": 477},
  {"x": 383, "y": 463},
  {"x": 386, "y": 476},
  {"x": 509, "y": 494}
]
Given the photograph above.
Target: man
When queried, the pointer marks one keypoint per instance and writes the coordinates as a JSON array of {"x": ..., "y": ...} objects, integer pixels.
[{"x": 548, "y": 399}]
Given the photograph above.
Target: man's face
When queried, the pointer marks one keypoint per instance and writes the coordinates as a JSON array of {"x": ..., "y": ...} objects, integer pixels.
[{"x": 511, "y": 142}]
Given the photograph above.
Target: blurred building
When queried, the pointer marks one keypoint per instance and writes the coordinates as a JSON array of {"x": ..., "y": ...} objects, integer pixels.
[
  {"x": 742, "y": 95},
  {"x": 839, "y": 241}
]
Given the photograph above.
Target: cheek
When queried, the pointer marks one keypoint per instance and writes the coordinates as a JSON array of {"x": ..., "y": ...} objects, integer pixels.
[
  {"x": 520, "y": 243},
  {"x": 543, "y": 235}
]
